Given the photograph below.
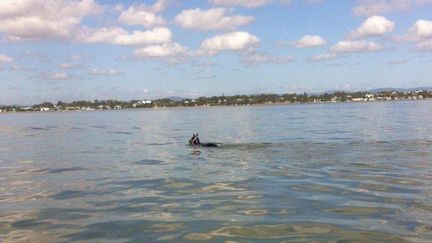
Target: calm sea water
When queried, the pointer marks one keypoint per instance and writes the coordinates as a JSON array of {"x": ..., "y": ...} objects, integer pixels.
[{"x": 331, "y": 172}]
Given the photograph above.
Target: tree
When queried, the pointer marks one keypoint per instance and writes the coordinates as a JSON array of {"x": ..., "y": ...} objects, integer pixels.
[{"x": 61, "y": 103}]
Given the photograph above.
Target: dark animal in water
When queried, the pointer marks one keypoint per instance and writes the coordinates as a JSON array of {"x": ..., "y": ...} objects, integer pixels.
[
  {"x": 194, "y": 141},
  {"x": 209, "y": 145}
]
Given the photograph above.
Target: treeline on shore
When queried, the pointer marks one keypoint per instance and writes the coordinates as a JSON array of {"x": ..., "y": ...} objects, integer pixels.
[{"x": 224, "y": 101}]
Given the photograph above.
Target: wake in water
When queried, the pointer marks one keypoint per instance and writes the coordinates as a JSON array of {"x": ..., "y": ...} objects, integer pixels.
[{"x": 419, "y": 142}]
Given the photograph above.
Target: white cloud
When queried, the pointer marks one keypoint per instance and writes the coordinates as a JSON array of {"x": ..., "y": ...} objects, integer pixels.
[
  {"x": 420, "y": 34},
  {"x": 158, "y": 6},
  {"x": 309, "y": 41},
  {"x": 260, "y": 58},
  {"x": 323, "y": 57},
  {"x": 70, "y": 65},
  {"x": 105, "y": 72},
  {"x": 235, "y": 41},
  {"x": 36, "y": 19},
  {"x": 102, "y": 35},
  {"x": 59, "y": 76},
  {"x": 355, "y": 46},
  {"x": 155, "y": 36},
  {"x": 373, "y": 26},
  {"x": 344, "y": 47},
  {"x": 141, "y": 15},
  {"x": 160, "y": 51},
  {"x": 422, "y": 29},
  {"x": 119, "y": 36},
  {"x": 372, "y": 7},
  {"x": 243, "y": 3},
  {"x": 212, "y": 19},
  {"x": 5, "y": 59}
]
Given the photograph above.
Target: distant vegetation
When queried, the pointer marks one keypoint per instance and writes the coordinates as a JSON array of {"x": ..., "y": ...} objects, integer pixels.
[{"x": 225, "y": 101}]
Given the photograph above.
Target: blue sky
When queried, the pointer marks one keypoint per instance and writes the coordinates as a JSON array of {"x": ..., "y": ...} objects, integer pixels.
[{"x": 88, "y": 49}]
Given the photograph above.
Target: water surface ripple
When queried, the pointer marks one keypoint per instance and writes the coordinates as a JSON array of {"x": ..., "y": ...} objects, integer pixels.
[{"x": 334, "y": 172}]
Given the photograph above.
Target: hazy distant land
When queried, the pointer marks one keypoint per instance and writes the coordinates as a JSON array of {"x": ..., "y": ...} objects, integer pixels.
[{"x": 255, "y": 99}]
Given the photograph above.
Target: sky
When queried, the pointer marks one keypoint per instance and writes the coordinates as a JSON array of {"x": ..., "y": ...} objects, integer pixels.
[{"x": 120, "y": 49}]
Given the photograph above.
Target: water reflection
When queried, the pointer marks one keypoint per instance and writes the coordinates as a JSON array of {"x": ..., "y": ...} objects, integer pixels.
[{"x": 281, "y": 174}]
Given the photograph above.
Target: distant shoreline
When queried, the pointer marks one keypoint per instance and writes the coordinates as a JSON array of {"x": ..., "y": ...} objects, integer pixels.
[
  {"x": 222, "y": 101},
  {"x": 224, "y": 106}
]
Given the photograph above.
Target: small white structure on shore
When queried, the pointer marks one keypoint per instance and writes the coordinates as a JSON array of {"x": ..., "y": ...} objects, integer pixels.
[
  {"x": 141, "y": 102},
  {"x": 45, "y": 109}
]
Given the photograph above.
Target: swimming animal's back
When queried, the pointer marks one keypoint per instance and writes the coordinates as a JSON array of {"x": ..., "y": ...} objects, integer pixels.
[{"x": 210, "y": 145}]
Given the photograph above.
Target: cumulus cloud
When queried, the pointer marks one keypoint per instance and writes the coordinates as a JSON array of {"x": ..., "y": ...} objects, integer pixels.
[
  {"x": 355, "y": 46},
  {"x": 105, "y": 72},
  {"x": 422, "y": 29},
  {"x": 142, "y": 15},
  {"x": 37, "y": 19},
  {"x": 372, "y": 7},
  {"x": 158, "y": 6},
  {"x": 212, "y": 19},
  {"x": 371, "y": 27},
  {"x": 155, "y": 43},
  {"x": 167, "y": 50},
  {"x": 235, "y": 41},
  {"x": 101, "y": 35},
  {"x": 309, "y": 41},
  {"x": 242, "y": 3},
  {"x": 420, "y": 34},
  {"x": 345, "y": 47},
  {"x": 155, "y": 36},
  {"x": 5, "y": 59},
  {"x": 119, "y": 36}
]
